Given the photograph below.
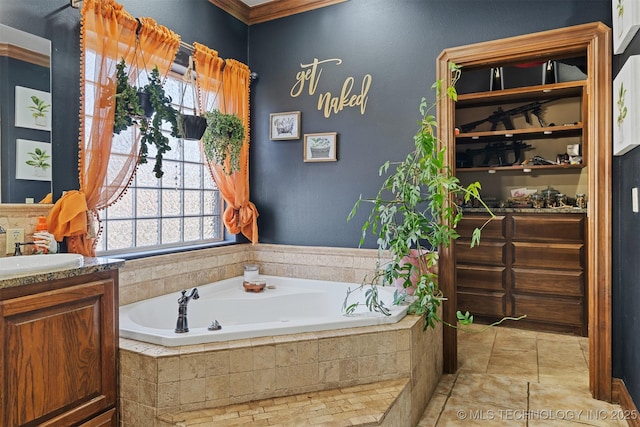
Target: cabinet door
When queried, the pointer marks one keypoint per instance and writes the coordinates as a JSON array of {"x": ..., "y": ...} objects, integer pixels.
[{"x": 58, "y": 355}]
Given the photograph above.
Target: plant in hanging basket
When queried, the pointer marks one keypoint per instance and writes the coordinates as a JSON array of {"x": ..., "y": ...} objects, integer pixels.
[
  {"x": 127, "y": 101},
  {"x": 223, "y": 139},
  {"x": 191, "y": 126},
  {"x": 130, "y": 110}
]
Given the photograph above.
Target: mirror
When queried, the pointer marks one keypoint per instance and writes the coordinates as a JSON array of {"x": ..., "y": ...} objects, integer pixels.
[{"x": 25, "y": 116}]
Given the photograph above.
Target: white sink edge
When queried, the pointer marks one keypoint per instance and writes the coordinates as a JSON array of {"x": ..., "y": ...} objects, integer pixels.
[{"x": 26, "y": 264}]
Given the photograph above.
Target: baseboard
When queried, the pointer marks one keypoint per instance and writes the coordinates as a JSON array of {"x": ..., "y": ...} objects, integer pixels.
[{"x": 621, "y": 395}]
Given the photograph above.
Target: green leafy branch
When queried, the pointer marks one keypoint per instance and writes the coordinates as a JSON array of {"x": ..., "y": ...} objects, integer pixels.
[
  {"x": 414, "y": 209},
  {"x": 223, "y": 139}
]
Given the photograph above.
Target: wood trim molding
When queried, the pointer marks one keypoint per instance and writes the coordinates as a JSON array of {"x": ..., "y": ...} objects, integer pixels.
[
  {"x": 621, "y": 395},
  {"x": 235, "y": 8},
  {"x": 269, "y": 11},
  {"x": 594, "y": 39},
  {"x": 26, "y": 55}
]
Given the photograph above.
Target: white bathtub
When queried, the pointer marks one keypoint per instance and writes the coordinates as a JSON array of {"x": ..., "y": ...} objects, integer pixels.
[{"x": 293, "y": 306}]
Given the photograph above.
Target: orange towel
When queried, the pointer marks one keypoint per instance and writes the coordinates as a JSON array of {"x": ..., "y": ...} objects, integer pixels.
[
  {"x": 68, "y": 217},
  {"x": 47, "y": 199}
]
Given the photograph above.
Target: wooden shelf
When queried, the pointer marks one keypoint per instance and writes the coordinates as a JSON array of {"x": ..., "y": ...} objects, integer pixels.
[
  {"x": 530, "y": 133},
  {"x": 521, "y": 168},
  {"x": 521, "y": 94}
]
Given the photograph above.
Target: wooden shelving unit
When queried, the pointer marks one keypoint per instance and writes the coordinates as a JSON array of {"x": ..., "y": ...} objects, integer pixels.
[{"x": 591, "y": 42}]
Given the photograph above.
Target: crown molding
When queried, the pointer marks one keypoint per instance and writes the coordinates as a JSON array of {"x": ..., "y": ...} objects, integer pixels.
[{"x": 269, "y": 11}]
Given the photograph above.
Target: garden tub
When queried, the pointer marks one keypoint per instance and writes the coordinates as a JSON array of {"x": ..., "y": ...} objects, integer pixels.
[{"x": 285, "y": 306}]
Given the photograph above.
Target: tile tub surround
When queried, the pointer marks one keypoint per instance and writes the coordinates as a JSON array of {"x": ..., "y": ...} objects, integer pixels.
[
  {"x": 157, "y": 380},
  {"x": 150, "y": 277}
]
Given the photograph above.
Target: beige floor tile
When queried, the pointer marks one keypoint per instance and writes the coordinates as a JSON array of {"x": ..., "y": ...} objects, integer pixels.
[
  {"x": 445, "y": 384},
  {"x": 473, "y": 357},
  {"x": 479, "y": 336},
  {"x": 561, "y": 353},
  {"x": 462, "y": 412},
  {"x": 570, "y": 404},
  {"x": 433, "y": 411},
  {"x": 521, "y": 365},
  {"x": 570, "y": 378},
  {"x": 515, "y": 340},
  {"x": 511, "y": 377},
  {"x": 492, "y": 390}
]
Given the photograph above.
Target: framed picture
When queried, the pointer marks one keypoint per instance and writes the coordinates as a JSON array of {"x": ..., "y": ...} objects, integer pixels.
[
  {"x": 626, "y": 21},
  {"x": 285, "y": 125},
  {"x": 33, "y": 108},
  {"x": 320, "y": 147},
  {"x": 33, "y": 160},
  {"x": 626, "y": 92}
]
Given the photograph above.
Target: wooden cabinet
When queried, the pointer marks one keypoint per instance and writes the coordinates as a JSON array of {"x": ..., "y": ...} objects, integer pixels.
[
  {"x": 591, "y": 41},
  {"x": 59, "y": 352},
  {"x": 526, "y": 264}
]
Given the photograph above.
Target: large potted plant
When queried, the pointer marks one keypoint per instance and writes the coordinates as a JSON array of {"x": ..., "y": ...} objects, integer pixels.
[
  {"x": 223, "y": 139},
  {"x": 131, "y": 109},
  {"x": 414, "y": 214}
]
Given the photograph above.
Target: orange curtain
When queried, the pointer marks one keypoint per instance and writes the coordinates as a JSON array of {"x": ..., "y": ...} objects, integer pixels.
[
  {"x": 107, "y": 162},
  {"x": 225, "y": 85}
]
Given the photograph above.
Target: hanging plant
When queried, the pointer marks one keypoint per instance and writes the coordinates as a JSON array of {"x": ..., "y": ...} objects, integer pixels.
[
  {"x": 151, "y": 129},
  {"x": 223, "y": 139},
  {"x": 129, "y": 111},
  {"x": 127, "y": 102}
]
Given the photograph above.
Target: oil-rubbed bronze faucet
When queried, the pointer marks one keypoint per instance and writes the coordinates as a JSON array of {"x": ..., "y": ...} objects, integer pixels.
[
  {"x": 18, "y": 251},
  {"x": 182, "y": 325}
]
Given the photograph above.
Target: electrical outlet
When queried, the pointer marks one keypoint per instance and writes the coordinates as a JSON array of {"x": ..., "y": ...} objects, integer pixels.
[{"x": 14, "y": 235}]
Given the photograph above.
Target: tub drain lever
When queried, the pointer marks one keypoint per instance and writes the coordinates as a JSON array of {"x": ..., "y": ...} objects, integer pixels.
[{"x": 215, "y": 326}]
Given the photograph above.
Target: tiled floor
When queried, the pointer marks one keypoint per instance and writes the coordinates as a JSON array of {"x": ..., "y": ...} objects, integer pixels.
[{"x": 512, "y": 377}]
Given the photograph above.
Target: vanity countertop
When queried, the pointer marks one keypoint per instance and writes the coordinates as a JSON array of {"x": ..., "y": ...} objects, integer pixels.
[{"x": 89, "y": 265}]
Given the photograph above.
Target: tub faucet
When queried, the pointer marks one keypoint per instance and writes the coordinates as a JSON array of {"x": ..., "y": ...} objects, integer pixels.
[
  {"x": 182, "y": 325},
  {"x": 18, "y": 251}
]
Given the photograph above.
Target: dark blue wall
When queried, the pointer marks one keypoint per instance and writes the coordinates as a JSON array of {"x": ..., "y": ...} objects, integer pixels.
[
  {"x": 397, "y": 42},
  {"x": 626, "y": 259}
]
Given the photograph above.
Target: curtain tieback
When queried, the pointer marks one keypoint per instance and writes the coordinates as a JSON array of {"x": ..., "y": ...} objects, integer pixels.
[{"x": 238, "y": 220}]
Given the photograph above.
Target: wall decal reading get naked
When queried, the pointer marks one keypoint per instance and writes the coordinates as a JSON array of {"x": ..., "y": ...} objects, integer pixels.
[{"x": 327, "y": 103}]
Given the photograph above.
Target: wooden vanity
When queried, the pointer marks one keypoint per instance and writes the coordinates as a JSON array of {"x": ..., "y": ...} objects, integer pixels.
[{"x": 59, "y": 336}]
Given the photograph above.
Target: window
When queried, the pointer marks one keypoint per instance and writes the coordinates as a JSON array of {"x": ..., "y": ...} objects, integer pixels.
[{"x": 181, "y": 209}]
